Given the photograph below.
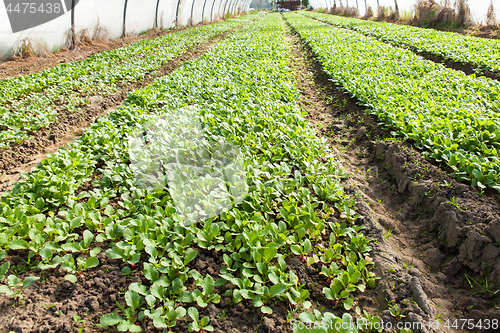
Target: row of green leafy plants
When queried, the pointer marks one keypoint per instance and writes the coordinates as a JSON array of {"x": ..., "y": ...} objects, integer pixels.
[
  {"x": 452, "y": 117},
  {"x": 32, "y": 102},
  {"x": 244, "y": 91},
  {"x": 481, "y": 53}
]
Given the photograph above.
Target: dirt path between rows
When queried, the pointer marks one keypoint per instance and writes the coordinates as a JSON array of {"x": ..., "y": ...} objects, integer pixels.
[
  {"x": 21, "y": 158},
  {"x": 429, "y": 231}
]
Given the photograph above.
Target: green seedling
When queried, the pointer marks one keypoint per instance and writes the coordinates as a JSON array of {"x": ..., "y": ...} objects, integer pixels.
[
  {"x": 76, "y": 268},
  {"x": 205, "y": 296},
  {"x": 198, "y": 325},
  {"x": 388, "y": 234},
  {"x": 15, "y": 286},
  {"x": 131, "y": 317}
]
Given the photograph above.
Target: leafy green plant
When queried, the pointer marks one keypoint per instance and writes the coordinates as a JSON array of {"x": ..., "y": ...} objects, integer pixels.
[
  {"x": 205, "y": 296},
  {"x": 395, "y": 310},
  {"x": 369, "y": 323},
  {"x": 4, "y": 268},
  {"x": 388, "y": 234},
  {"x": 341, "y": 287},
  {"x": 83, "y": 246},
  {"x": 198, "y": 325},
  {"x": 464, "y": 132},
  {"x": 481, "y": 286},
  {"x": 327, "y": 322},
  {"x": 472, "y": 50},
  {"x": 210, "y": 236},
  {"x": 130, "y": 317},
  {"x": 74, "y": 268},
  {"x": 15, "y": 286},
  {"x": 126, "y": 252}
]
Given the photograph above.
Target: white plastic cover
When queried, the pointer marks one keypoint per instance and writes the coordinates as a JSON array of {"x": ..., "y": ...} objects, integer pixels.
[
  {"x": 108, "y": 15},
  {"x": 140, "y": 15},
  {"x": 47, "y": 35},
  {"x": 91, "y": 13}
]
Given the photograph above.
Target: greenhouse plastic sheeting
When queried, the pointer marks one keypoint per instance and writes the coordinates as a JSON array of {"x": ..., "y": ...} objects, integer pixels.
[
  {"x": 48, "y": 23},
  {"x": 140, "y": 15},
  {"x": 92, "y": 13},
  {"x": 52, "y": 33}
]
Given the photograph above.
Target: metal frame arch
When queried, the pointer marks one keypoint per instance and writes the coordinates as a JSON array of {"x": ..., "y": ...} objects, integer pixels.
[
  {"x": 220, "y": 5},
  {"x": 192, "y": 8},
  {"x": 156, "y": 13},
  {"x": 234, "y": 6},
  {"x": 124, "y": 18},
  {"x": 224, "y": 10},
  {"x": 221, "y": 14},
  {"x": 212, "y": 11},
  {"x": 231, "y": 6},
  {"x": 203, "y": 11},
  {"x": 177, "y": 13},
  {"x": 244, "y": 6},
  {"x": 249, "y": 4}
]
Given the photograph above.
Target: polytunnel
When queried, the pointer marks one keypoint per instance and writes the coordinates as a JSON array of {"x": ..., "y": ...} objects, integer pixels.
[{"x": 50, "y": 23}]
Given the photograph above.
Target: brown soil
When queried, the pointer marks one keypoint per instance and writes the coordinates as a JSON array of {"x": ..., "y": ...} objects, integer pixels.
[
  {"x": 68, "y": 125},
  {"x": 52, "y": 303},
  {"x": 483, "y": 31},
  {"x": 429, "y": 230}
]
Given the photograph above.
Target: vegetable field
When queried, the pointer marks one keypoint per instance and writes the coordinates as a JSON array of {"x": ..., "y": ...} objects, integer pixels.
[
  {"x": 482, "y": 54},
  {"x": 295, "y": 173}
]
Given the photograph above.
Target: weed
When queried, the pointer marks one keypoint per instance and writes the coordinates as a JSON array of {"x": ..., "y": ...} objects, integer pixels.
[
  {"x": 454, "y": 202},
  {"x": 481, "y": 286},
  {"x": 388, "y": 234},
  {"x": 407, "y": 266},
  {"x": 395, "y": 310}
]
